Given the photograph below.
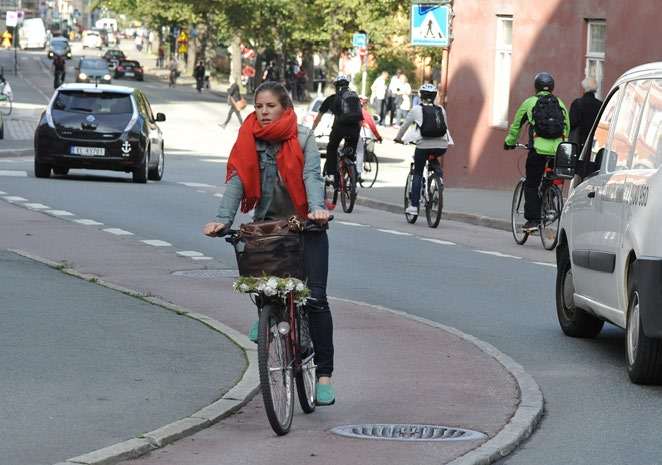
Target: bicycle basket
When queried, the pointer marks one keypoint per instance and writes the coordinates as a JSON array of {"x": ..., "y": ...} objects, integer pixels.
[{"x": 270, "y": 254}]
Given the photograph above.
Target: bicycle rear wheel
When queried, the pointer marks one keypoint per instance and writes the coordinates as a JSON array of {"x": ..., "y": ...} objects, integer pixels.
[
  {"x": 550, "y": 216},
  {"x": 408, "y": 185},
  {"x": 517, "y": 219},
  {"x": 435, "y": 201},
  {"x": 348, "y": 187},
  {"x": 306, "y": 378},
  {"x": 370, "y": 169},
  {"x": 5, "y": 105},
  {"x": 275, "y": 368}
]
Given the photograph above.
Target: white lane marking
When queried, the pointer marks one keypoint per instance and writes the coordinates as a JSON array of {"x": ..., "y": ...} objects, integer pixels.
[
  {"x": 397, "y": 233},
  {"x": 214, "y": 160},
  {"x": 348, "y": 223},
  {"x": 190, "y": 253},
  {"x": 88, "y": 222},
  {"x": 220, "y": 196},
  {"x": 59, "y": 212},
  {"x": 195, "y": 184},
  {"x": 3, "y": 193},
  {"x": 17, "y": 174},
  {"x": 118, "y": 232},
  {"x": 202, "y": 258},
  {"x": 37, "y": 206},
  {"x": 14, "y": 198},
  {"x": 553, "y": 265},
  {"x": 497, "y": 254},
  {"x": 157, "y": 243},
  {"x": 438, "y": 241}
]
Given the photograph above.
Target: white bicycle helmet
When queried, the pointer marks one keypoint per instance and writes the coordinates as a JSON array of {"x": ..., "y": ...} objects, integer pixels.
[
  {"x": 341, "y": 80},
  {"x": 427, "y": 92}
]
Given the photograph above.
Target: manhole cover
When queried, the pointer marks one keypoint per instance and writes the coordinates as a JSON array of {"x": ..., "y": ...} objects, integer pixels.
[
  {"x": 208, "y": 273},
  {"x": 399, "y": 432}
]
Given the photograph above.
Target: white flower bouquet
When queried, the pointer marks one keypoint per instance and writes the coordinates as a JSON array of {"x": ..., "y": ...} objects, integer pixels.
[{"x": 273, "y": 286}]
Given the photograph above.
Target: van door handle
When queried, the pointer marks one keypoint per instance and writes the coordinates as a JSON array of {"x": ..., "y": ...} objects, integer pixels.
[{"x": 591, "y": 195}]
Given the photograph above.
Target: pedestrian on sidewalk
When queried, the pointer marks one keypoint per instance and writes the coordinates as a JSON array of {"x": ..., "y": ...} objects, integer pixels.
[
  {"x": 160, "y": 61},
  {"x": 234, "y": 96},
  {"x": 583, "y": 112},
  {"x": 199, "y": 74},
  {"x": 274, "y": 169}
]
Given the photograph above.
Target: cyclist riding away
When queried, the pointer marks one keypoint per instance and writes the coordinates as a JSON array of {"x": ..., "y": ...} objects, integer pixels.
[
  {"x": 431, "y": 137},
  {"x": 552, "y": 128},
  {"x": 59, "y": 70},
  {"x": 348, "y": 116},
  {"x": 273, "y": 169}
]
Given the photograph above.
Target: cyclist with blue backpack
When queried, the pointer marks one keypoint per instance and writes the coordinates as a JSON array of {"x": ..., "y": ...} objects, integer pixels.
[
  {"x": 549, "y": 125},
  {"x": 430, "y": 135},
  {"x": 347, "y": 122}
]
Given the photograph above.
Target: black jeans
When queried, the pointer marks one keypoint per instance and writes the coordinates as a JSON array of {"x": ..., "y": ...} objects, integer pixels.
[
  {"x": 315, "y": 272},
  {"x": 420, "y": 159},
  {"x": 535, "y": 167},
  {"x": 338, "y": 133},
  {"x": 232, "y": 110}
]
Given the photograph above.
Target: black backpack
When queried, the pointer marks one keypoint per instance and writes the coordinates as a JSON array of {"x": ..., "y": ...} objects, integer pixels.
[
  {"x": 548, "y": 117},
  {"x": 58, "y": 62},
  {"x": 348, "y": 107},
  {"x": 433, "y": 121}
]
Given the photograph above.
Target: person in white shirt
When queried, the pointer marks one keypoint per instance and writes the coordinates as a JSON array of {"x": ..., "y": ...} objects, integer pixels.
[
  {"x": 378, "y": 96},
  {"x": 391, "y": 93},
  {"x": 402, "y": 101}
]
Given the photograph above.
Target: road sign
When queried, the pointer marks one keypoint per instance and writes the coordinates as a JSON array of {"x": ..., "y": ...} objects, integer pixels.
[
  {"x": 359, "y": 40},
  {"x": 429, "y": 25},
  {"x": 12, "y": 19}
]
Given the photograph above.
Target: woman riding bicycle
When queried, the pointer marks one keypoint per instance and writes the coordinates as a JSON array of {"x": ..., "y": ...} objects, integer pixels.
[
  {"x": 425, "y": 146},
  {"x": 274, "y": 169}
]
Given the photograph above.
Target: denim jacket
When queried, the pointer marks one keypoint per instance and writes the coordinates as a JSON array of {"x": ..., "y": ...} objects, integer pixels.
[{"x": 312, "y": 179}]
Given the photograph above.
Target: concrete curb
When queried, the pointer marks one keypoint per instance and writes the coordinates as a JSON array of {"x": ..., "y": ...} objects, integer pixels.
[
  {"x": 519, "y": 427},
  {"x": 528, "y": 413}
]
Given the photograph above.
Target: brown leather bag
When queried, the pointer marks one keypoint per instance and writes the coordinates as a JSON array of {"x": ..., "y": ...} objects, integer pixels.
[{"x": 270, "y": 248}]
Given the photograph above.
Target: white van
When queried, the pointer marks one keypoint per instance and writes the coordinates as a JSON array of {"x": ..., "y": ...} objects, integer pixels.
[
  {"x": 609, "y": 256},
  {"x": 32, "y": 34}
]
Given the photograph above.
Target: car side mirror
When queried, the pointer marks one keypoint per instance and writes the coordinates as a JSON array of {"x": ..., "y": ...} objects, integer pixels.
[
  {"x": 566, "y": 160},
  {"x": 160, "y": 117}
]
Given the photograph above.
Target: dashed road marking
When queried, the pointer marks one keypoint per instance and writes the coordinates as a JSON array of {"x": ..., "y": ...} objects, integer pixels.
[
  {"x": 18, "y": 174},
  {"x": 397, "y": 233},
  {"x": 193, "y": 254},
  {"x": 59, "y": 213},
  {"x": 14, "y": 198},
  {"x": 88, "y": 222},
  {"x": 438, "y": 241},
  {"x": 348, "y": 223},
  {"x": 37, "y": 206},
  {"x": 497, "y": 254},
  {"x": 196, "y": 184},
  {"x": 157, "y": 243},
  {"x": 553, "y": 265},
  {"x": 118, "y": 232}
]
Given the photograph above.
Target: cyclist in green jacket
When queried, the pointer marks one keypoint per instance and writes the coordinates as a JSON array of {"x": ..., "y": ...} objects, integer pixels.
[{"x": 541, "y": 147}]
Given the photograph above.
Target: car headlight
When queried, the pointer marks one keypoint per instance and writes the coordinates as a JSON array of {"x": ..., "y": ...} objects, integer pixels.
[
  {"x": 82, "y": 76},
  {"x": 106, "y": 77}
]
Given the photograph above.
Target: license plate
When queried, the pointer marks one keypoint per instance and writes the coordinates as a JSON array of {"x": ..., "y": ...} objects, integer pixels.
[
  {"x": 129, "y": 74},
  {"x": 88, "y": 151}
]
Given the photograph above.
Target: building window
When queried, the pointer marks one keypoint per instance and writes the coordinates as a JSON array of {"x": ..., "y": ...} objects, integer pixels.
[
  {"x": 504, "y": 50},
  {"x": 595, "y": 53}
]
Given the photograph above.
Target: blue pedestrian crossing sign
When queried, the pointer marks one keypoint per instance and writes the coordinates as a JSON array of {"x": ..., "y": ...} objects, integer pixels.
[{"x": 429, "y": 25}]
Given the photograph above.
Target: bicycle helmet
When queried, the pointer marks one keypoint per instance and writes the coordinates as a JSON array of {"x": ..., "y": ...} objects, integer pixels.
[
  {"x": 341, "y": 81},
  {"x": 544, "y": 82},
  {"x": 427, "y": 92}
]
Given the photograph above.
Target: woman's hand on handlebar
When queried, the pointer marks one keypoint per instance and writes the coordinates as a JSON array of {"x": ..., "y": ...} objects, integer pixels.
[
  {"x": 214, "y": 229},
  {"x": 319, "y": 216},
  {"x": 398, "y": 141}
]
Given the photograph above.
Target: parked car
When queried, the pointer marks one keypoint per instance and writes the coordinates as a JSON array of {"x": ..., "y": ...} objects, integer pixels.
[
  {"x": 59, "y": 46},
  {"x": 103, "y": 127},
  {"x": 323, "y": 128},
  {"x": 92, "y": 39},
  {"x": 129, "y": 69},
  {"x": 91, "y": 69},
  {"x": 609, "y": 255},
  {"x": 113, "y": 56}
]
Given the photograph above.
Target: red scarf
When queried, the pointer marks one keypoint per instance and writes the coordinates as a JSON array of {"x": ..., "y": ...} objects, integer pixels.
[{"x": 243, "y": 160}]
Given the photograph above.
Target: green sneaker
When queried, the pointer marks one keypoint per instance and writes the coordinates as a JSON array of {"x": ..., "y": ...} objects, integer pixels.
[
  {"x": 252, "y": 334},
  {"x": 325, "y": 395}
]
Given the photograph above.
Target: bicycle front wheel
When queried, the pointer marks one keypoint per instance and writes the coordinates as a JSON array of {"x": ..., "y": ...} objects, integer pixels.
[
  {"x": 348, "y": 187},
  {"x": 306, "y": 378},
  {"x": 6, "y": 105},
  {"x": 435, "y": 201},
  {"x": 408, "y": 186},
  {"x": 517, "y": 219},
  {"x": 550, "y": 216},
  {"x": 275, "y": 368},
  {"x": 370, "y": 169}
]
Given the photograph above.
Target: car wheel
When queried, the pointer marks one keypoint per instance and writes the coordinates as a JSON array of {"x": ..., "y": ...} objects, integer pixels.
[
  {"x": 41, "y": 170},
  {"x": 156, "y": 174},
  {"x": 60, "y": 170},
  {"x": 643, "y": 354},
  {"x": 574, "y": 321},
  {"x": 140, "y": 173}
]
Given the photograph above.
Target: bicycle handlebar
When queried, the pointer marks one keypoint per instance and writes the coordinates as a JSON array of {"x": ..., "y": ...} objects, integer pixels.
[{"x": 306, "y": 226}]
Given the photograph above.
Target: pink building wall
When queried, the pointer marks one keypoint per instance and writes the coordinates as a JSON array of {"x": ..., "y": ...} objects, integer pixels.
[{"x": 547, "y": 36}]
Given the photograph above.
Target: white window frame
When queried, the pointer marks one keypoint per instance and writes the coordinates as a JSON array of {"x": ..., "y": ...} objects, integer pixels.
[
  {"x": 595, "y": 59},
  {"x": 502, "y": 70}
]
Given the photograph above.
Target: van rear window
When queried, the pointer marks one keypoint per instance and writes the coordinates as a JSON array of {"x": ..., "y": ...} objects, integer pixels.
[{"x": 93, "y": 102}]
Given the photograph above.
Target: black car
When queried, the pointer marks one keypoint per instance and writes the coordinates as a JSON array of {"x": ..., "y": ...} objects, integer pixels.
[
  {"x": 113, "y": 56},
  {"x": 94, "y": 70},
  {"x": 102, "y": 127},
  {"x": 129, "y": 69},
  {"x": 59, "y": 46}
]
